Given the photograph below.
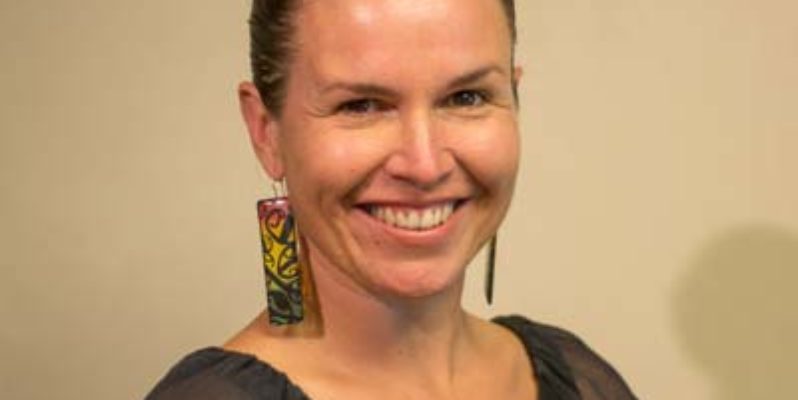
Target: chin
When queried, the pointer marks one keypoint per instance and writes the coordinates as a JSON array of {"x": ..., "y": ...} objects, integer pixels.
[{"x": 417, "y": 280}]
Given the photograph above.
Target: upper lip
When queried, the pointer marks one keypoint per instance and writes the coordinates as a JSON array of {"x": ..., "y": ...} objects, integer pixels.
[{"x": 411, "y": 203}]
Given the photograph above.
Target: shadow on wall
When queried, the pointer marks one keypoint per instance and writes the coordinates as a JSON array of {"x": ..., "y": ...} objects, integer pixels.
[{"x": 736, "y": 311}]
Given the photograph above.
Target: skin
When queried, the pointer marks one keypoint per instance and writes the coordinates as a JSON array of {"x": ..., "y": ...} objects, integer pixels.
[{"x": 405, "y": 104}]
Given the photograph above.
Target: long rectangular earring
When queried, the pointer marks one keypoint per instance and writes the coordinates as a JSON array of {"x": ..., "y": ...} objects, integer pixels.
[
  {"x": 490, "y": 270},
  {"x": 281, "y": 261}
]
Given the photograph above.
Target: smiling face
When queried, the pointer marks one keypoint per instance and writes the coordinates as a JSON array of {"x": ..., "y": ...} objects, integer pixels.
[{"x": 398, "y": 138}]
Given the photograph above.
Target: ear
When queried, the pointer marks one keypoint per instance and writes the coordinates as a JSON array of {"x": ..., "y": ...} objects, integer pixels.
[
  {"x": 518, "y": 72},
  {"x": 263, "y": 130}
]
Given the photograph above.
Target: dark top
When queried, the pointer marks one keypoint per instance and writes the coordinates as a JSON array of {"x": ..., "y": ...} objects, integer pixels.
[{"x": 565, "y": 369}]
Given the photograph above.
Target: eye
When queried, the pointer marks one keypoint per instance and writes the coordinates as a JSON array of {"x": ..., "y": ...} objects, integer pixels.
[
  {"x": 361, "y": 106},
  {"x": 467, "y": 98}
]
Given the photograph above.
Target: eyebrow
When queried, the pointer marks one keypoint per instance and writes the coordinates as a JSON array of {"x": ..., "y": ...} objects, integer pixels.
[
  {"x": 370, "y": 89},
  {"x": 475, "y": 76},
  {"x": 365, "y": 89}
]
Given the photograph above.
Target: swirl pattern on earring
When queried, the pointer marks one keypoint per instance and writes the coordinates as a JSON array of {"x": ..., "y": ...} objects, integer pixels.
[{"x": 280, "y": 261}]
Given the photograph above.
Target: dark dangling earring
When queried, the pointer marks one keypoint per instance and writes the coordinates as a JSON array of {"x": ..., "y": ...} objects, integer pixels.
[
  {"x": 279, "y": 241},
  {"x": 490, "y": 270}
]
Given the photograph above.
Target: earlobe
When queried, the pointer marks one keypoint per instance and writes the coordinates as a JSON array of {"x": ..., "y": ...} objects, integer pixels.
[
  {"x": 262, "y": 128},
  {"x": 518, "y": 72}
]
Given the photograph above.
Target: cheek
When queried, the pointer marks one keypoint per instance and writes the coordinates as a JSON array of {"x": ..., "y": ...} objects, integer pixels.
[
  {"x": 490, "y": 153},
  {"x": 330, "y": 163}
]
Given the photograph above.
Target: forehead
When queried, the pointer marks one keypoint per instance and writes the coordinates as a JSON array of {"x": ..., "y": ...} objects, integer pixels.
[{"x": 373, "y": 35}]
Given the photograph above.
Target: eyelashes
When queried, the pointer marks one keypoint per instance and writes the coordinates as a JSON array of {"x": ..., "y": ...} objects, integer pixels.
[
  {"x": 362, "y": 106},
  {"x": 465, "y": 100}
]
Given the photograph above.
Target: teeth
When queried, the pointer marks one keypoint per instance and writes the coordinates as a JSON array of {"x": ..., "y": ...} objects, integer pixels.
[
  {"x": 428, "y": 217},
  {"x": 414, "y": 219},
  {"x": 446, "y": 212},
  {"x": 388, "y": 216}
]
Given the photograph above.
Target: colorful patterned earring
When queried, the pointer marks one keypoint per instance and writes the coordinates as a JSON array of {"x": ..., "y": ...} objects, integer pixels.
[
  {"x": 279, "y": 242},
  {"x": 490, "y": 270}
]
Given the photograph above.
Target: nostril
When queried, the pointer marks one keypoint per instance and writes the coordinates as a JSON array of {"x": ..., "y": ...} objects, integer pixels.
[
  {"x": 420, "y": 157},
  {"x": 421, "y": 168}
]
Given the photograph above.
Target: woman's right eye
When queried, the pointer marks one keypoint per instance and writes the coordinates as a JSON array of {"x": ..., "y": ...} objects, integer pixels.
[{"x": 361, "y": 106}]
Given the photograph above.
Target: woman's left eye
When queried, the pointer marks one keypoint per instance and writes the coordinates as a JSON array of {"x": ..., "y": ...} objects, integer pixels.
[{"x": 467, "y": 98}]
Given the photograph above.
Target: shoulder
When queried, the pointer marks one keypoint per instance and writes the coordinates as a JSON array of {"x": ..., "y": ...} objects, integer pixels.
[
  {"x": 565, "y": 364},
  {"x": 214, "y": 373}
]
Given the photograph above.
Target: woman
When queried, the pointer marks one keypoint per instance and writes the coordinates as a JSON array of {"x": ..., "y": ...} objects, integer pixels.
[{"x": 393, "y": 124}]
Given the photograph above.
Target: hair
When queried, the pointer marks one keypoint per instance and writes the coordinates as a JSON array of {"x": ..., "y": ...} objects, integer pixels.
[{"x": 271, "y": 31}]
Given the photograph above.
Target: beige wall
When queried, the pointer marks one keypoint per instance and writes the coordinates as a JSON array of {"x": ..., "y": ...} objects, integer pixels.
[{"x": 657, "y": 212}]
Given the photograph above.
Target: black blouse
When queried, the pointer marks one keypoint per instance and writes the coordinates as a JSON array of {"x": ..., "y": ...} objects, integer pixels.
[{"x": 565, "y": 369}]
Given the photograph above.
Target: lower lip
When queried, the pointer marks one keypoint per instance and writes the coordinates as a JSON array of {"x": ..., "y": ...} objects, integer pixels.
[{"x": 409, "y": 237}]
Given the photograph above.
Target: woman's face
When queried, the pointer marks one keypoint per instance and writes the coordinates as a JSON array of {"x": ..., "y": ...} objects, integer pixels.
[{"x": 398, "y": 138}]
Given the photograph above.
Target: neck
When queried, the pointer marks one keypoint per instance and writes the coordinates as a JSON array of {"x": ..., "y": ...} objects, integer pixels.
[{"x": 416, "y": 338}]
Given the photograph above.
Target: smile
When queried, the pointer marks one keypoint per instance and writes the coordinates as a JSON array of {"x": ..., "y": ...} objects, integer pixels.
[{"x": 416, "y": 219}]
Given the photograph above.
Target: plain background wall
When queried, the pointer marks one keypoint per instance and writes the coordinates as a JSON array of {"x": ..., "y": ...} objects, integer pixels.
[{"x": 656, "y": 213}]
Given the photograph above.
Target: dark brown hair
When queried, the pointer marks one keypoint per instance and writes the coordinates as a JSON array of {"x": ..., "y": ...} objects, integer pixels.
[{"x": 271, "y": 29}]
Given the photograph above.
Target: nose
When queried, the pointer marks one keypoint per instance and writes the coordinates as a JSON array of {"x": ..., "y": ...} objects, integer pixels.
[{"x": 422, "y": 158}]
